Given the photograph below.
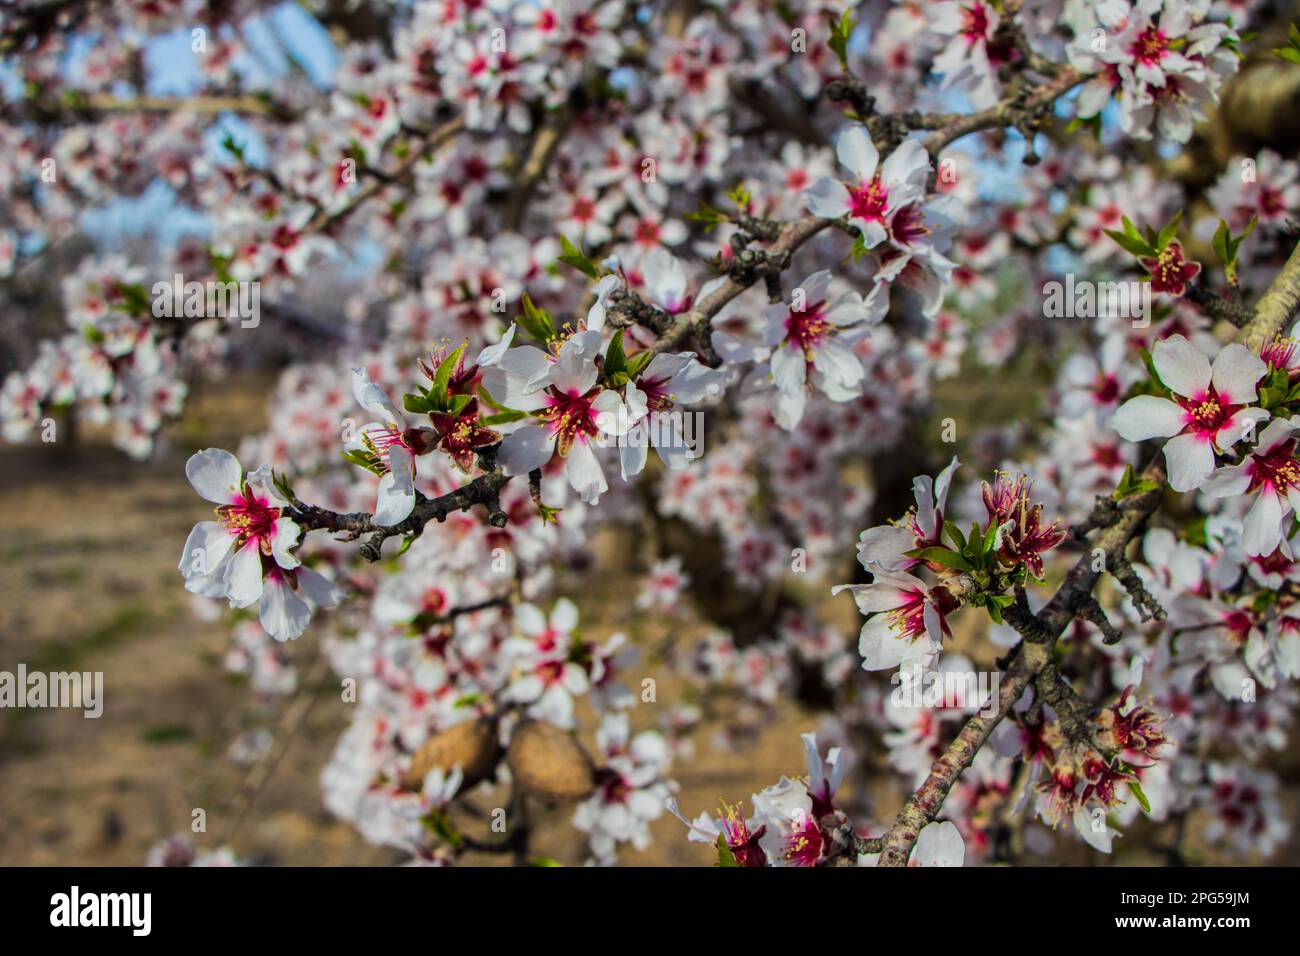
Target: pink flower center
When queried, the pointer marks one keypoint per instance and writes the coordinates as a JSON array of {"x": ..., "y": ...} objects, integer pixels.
[
  {"x": 569, "y": 417},
  {"x": 975, "y": 23},
  {"x": 809, "y": 327},
  {"x": 908, "y": 620},
  {"x": 1278, "y": 470},
  {"x": 1150, "y": 46},
  {"x": 869, "y": 200},
  {"x": 909, "y": 225},
  {"x": 804, "y": 845},
  {"x": 1206, "y": 414},
  {"x": 249, "y": 518}
]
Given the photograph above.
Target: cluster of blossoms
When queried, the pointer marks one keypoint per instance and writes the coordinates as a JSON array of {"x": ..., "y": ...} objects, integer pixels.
[{"x": 435, "y": 190}]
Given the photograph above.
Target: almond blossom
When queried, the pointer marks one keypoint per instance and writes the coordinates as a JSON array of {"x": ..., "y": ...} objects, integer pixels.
[
  {"x": 1208, "y": 413},
  {"x": 809, "y": 349},
  {"x": 905, "y": 620},
  {"x": 878, "y": 191},
  {"x": 1271, "y": 471},
  {"x": 571, "y": 410}
]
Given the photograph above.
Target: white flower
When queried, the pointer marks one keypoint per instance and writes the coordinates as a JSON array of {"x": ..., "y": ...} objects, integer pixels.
[
  {"x": 385, "y": 442},
  {"x": 1272, "y": 471},
  {"x": 573, "y": 411},
  {"x": 904, "y": 625},
  {"x": 224, "y": 558},
  {"x": 879, "y": 190},
  {"x": 809, "y": 348},
  {"x": 1208, "y": 412}
]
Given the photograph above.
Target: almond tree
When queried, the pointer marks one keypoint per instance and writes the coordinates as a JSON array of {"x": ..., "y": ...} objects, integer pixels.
[{"x": 528, "y": 241}]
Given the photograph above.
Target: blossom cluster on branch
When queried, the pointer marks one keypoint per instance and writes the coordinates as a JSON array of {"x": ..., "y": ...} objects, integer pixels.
[{"x": 508, "y": 248}]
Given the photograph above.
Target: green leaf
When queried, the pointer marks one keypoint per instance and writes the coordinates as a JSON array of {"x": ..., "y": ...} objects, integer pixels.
[
  {"x": 1220, "y": 243},
  {"x": 1287, "y": 53},
  {"x": 537, "y": 322},
  {"x": 504, "y": 418},
  {"x": 637, "y": 363},
  {"x": 416, "y": 404},
  {"x": 990, "y": 539},
  {"x": 575, "y": 257},
  {"x": 1130, "y": 485},
  {"x": 841, "y": 30},
  {"x": 944, "y": 556},
  {"x": 707, "y": 215},
  {"x": 955, "y": 535},
  {"x": 739, "y": 194},
  {"x": 1141, "y": 797},
  {"x": 1135, "y": 245},
  {"x": 442, "y": 378},
  {"x": 725, "y": 856},
  {"x": 615, "y": 358},
  {"x": 1168, "y": 232}
]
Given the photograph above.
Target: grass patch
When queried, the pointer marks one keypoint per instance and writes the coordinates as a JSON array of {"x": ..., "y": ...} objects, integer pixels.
[{"x": 167, "y": 734}]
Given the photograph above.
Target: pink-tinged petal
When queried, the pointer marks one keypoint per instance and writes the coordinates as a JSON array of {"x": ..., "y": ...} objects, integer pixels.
[
  {"x": 789, "y": 369},
  {"x": 215, "y": 474},
  {"x": 933, "y": 623},
  {"x": 923, "y": 492},
  {"x": 909, "y": 163},
  {"x": 814, "y": 287},
  {"x": 372, "y": 397},
  {"x": 632, "y": 457},
  {"x": 1242, "y": 426},
  {"x": 840, "y": 365},
  {"x": 871, "y": 598},
  {"x": 525, "y": 450},
  {"x": 585, "y": 474},
  {"x": 828, "y": 198},
  {"x": 319, "y": 589},
  {"x": 880, "y": 647},
  {"x": 940, "y": 844},
  {"x": 1226, "y": 483},
  {"x": 201, "y": 565},
  {"x": 789, "y": 409},
  {"x": 244, "y": 576},
  {"x": 857, "y": 153},
  {"x": 284, "y": 615},
  {"x": 205, "y": 548},
  {"x": 610, "y": 414},
  {"x": 286, "y": 536},
  {"x": 574, "y": 370},
  {"x": 1262, "y": 529},
  {"x": 531, "y": 620},
  {"x": 492, "y": 354},
  {"x": 564, "y": 616},
  {"x": 1181, "y": 366},
  {"x": 574, "y": 679},
  {"x": 1278, "y": 431},
  {"x": 1189, "y": 460},
  {"x": 886, "y": 546},
  {"x": 1148, "y": 416},
  {"x": 392, "y": 504},
  {"x": 1236, "y": 370},
  {"x": 873, "y": 233}
]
